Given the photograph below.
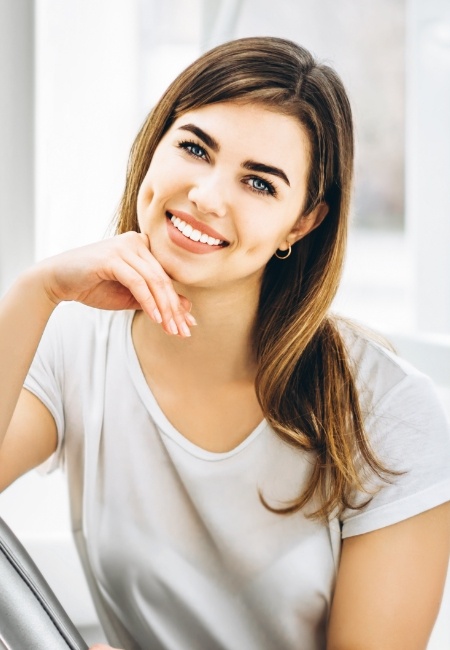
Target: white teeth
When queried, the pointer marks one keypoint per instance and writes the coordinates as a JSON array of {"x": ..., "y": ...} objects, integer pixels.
[
  {"x": 187, "y": 230},
  {"x": 194, "y": 234}
]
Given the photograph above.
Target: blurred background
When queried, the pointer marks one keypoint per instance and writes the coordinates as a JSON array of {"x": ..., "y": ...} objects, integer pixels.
[{"x": 77, "y": 78}]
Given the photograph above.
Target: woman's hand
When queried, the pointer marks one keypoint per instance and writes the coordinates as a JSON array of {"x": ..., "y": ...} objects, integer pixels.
[{"x": 117, "y": 273}]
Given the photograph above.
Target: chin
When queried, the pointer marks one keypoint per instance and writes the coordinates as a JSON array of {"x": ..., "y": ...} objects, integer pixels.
[{"x": 177, "y": 270}]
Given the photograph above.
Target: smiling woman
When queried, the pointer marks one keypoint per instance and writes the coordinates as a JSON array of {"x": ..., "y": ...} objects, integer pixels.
[
  {"x": 225, "y": 184},
  {"x": 245, "y": 469}
]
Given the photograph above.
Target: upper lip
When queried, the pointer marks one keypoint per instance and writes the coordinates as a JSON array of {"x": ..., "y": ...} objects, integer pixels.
[{"x": 198, "y": 225}]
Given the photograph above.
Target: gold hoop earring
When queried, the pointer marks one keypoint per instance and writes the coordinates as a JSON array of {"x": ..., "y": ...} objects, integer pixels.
[{"x": 284, "y": 257}]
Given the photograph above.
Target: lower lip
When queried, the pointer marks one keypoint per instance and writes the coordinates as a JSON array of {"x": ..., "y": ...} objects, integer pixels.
[{"x": 188, "y": 244}]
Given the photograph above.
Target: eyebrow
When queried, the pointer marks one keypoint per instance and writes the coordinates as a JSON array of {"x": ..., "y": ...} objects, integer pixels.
[
  {"x": 207, "y": 139},
  {"x": 267, "y": 169},
  {"x": 251, "y": 165}
]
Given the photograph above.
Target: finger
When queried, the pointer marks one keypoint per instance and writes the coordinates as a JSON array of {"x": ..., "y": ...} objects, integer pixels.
[
  {"x": 190, "y": 319},
  {"x": 172, "y": 307},
  {"x": 133, "y": 281},
  {"x": 154, "y": 291},
  {"x": 185, "y": 302}
]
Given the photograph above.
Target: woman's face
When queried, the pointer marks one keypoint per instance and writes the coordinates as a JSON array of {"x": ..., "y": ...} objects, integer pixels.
[{"x": 224, "y": 190}]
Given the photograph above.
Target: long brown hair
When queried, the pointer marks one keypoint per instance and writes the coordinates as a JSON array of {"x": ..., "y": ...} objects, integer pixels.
[{"x": 304, "y": 382}]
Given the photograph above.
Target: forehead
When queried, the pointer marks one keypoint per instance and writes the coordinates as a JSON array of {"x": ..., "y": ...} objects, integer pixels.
[{"x": 252, "y": 131}]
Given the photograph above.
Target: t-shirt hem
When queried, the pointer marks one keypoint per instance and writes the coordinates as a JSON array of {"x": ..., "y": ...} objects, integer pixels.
[
  {"x": 53, "y": 462},
  {"x": 397, "y": 511}
]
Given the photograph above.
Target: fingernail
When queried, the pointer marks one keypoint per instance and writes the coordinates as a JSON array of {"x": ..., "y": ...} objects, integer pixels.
[
  {"x": 157, "y": 315},
  {"x": 185, "y": 329},
  {"x": 173, "y": 326},
  {"x": 190, "y": 319}
]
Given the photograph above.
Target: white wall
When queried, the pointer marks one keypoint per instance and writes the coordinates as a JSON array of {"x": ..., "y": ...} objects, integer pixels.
[
  {"x": 87, "y": 69},
  {"x": 428, "y": 161},
  {"x": 16, "y": 138}
]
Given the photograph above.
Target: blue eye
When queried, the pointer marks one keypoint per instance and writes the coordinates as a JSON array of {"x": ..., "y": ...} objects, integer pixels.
[
  {"x": 260, "y": 186},
  {"x": 193, "y": 149}
]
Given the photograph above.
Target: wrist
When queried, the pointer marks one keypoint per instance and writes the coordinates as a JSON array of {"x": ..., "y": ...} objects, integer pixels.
[{"x": 34, "y": 287}]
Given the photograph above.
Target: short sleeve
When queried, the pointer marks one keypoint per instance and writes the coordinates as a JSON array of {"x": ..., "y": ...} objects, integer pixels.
[
  {"x": 409, "y": 432},
  {"x": 44, "y": 380}
]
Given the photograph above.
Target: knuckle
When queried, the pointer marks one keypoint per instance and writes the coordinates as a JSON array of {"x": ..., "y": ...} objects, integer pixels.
[
  {"x": 178, "y": 311},
  {"x": 140, "y": 282},
  {"x": 129, "y": 235},
  {"x": 159, "y": 282},
  {"x": 126, "y": 240},
  {"x": 147, "y": 299}
]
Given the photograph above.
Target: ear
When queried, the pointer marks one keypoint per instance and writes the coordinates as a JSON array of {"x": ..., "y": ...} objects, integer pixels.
[{"x": 306, "y": 223}]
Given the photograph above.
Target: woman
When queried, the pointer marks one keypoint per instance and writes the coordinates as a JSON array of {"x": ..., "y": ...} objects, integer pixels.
[{"x": 245, "y": 470}]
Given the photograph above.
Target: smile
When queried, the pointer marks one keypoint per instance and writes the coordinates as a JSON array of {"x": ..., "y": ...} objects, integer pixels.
[{"x": 195, "y": 235}]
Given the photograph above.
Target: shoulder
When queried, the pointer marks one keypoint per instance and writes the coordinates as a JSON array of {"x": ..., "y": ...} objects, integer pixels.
[
  {"x": 76, "y": 331},
  {"x": 78, "y": 320},
  {"x": 378, "y": 371},
  {"x": 407, "y": 429}
]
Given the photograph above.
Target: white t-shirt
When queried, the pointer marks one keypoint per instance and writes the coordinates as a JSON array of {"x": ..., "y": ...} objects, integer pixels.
[{"x": 178, "y": 550}]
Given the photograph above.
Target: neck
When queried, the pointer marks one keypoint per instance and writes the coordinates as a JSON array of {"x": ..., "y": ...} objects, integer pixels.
[{"x": 220, "y": 343}]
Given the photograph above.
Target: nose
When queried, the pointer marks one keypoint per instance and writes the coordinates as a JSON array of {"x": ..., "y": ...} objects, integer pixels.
[{"x": 209, "y": 194}]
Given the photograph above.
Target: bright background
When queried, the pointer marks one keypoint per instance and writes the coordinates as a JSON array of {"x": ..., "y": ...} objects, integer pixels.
[{"x": 76, "y": 81}]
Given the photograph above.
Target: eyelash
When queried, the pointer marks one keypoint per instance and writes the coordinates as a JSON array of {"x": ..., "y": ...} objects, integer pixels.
[
  {"x": 188, "y": 146},
  {"x": 271, "y": 189}
]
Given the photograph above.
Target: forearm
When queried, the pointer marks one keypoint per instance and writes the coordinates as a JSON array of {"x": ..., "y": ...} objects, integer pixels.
[
  {"x": 24, "y": 313},
  {"x": 117, "y": 273}
]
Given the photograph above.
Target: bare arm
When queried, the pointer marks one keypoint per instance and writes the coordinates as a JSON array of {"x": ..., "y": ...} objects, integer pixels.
[
  {"x": 119, "y": 273},
  {"x": 23, "y": 317},
  {"x": 390, "y": 584}
]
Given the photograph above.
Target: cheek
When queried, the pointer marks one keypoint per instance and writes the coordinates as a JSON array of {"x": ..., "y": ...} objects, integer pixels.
[
  {"x": 158, "y": 184},
  {"x": 147, "y": 191},
  {"x": 262, "y": 242},
  {"x": 143, "y": 203},
  {"x": 267, "y": 229}
]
